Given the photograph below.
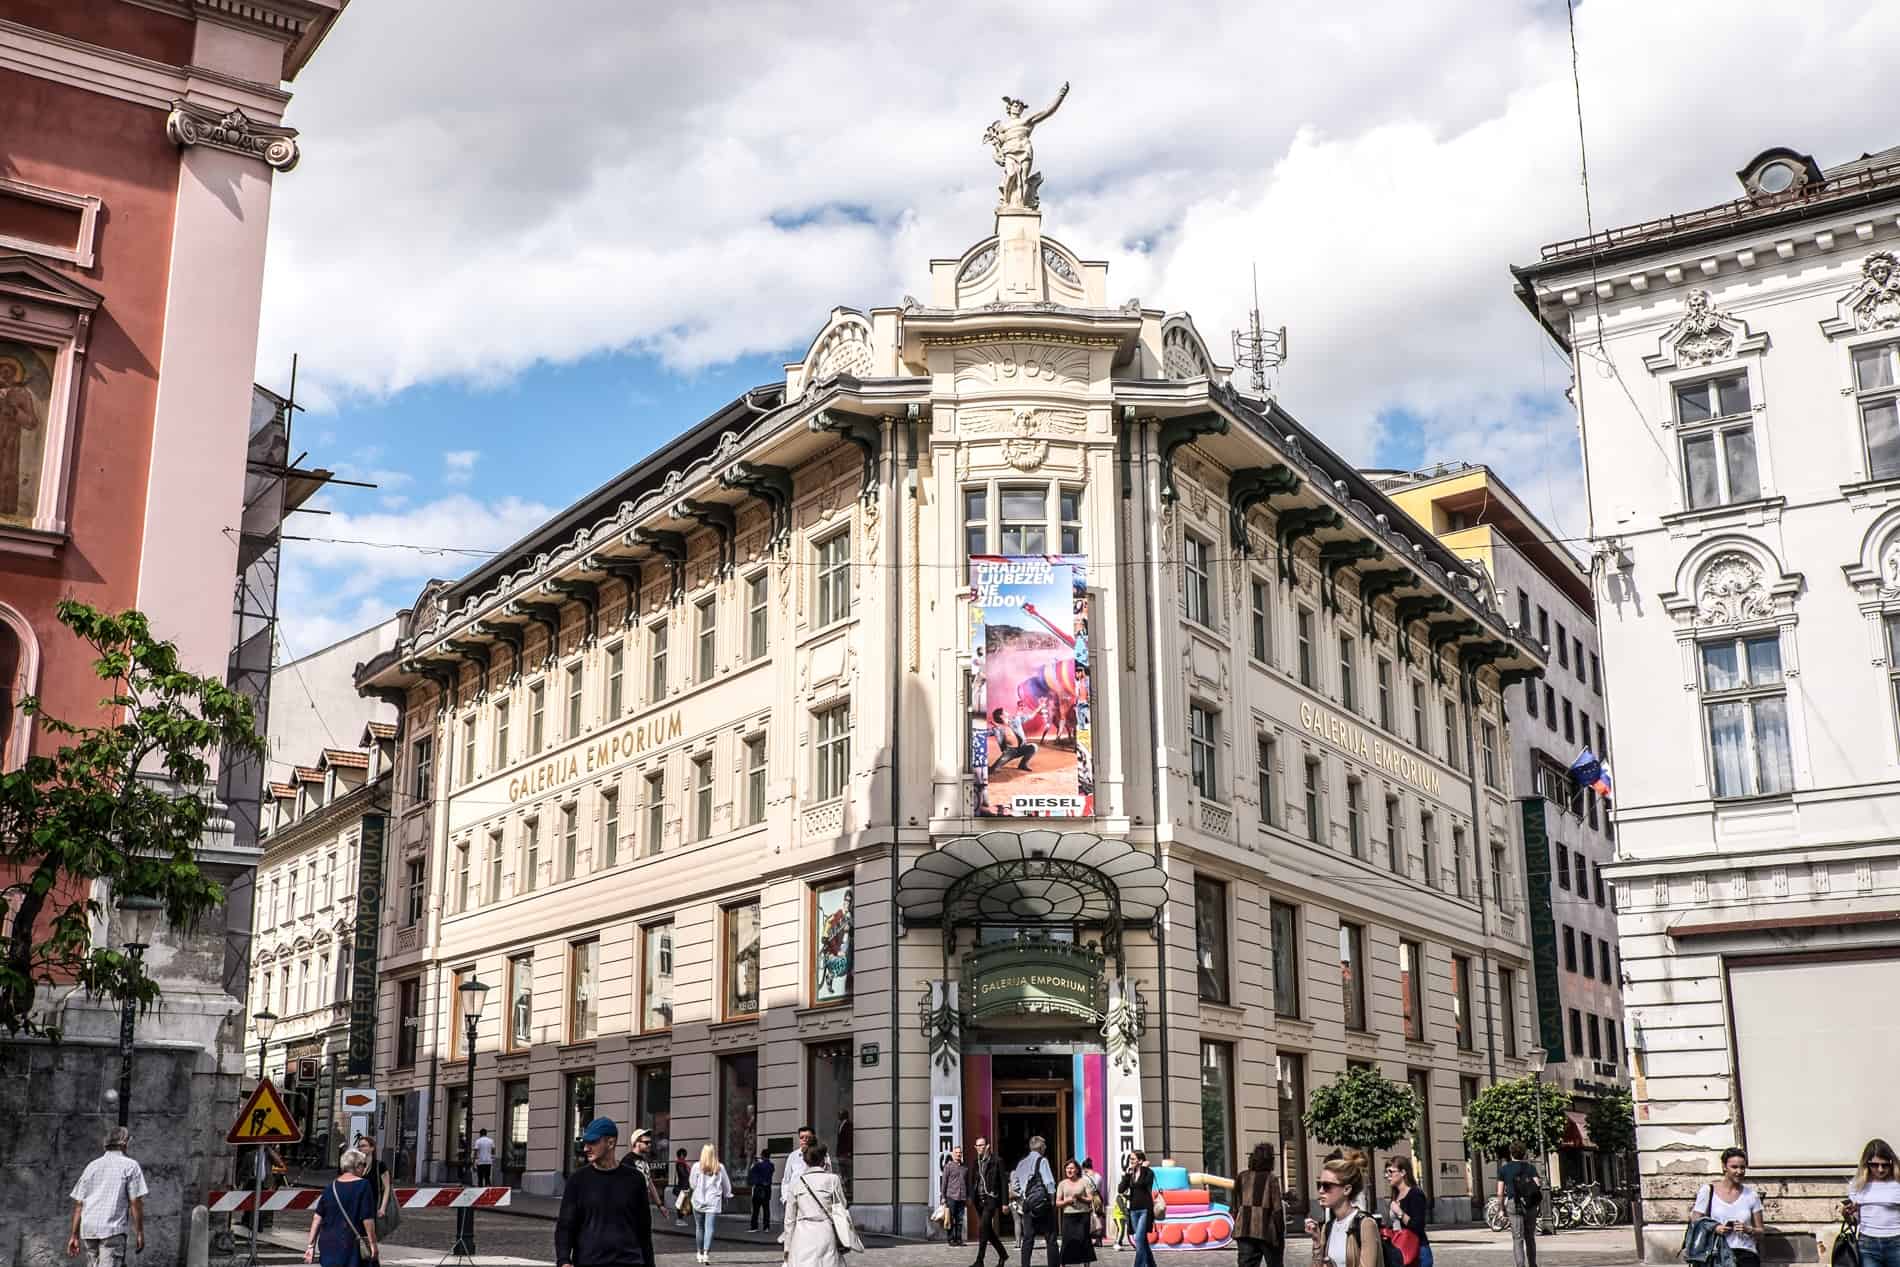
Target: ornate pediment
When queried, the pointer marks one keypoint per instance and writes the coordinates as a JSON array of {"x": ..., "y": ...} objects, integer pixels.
[
  {"x": 1731, "y": 591},
  {"x": 1731, "y": 582},
  {"x": 1183, "y": 354},
  {"x": 1703, "y": 335},
  {"x": 1873, "y": 304}
]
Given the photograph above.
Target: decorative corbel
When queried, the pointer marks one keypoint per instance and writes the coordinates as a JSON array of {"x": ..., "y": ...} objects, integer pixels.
[
  {"x": 546, "y": 615},
  {"x": 474, "y": 653},
  {"x": 587, "y": 594},
  {"x": 1335, "y": 557},
  {"x": 720, "y": 519},
  {"x": 771, "y": 485},
  {"x": 864, "y": 433},
  {"x": 1376, "y": 585},
  {"x": 1176, "y": 432},
  {"x": 1296, "y": 525},
  {"x": 1249, "y": 487},
  {"x": 395, "y": 697},
  {"x": 1507, "y": 678},
  {"x": 1416, "y": 607},
  {"x": 1443, "y": 632},
  {"x": 627, "y": 572},
  {"x": 510, "y": 636},
  {"x": 1479, "y": 654},
  {"x": 670, "y": 546},
  {"x": 443, "y": 678},
  {"x": 192, "y": 123}
]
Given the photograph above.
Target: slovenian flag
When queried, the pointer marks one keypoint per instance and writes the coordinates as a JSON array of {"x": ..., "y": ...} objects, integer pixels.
[{"x": 1591, "y": 772}]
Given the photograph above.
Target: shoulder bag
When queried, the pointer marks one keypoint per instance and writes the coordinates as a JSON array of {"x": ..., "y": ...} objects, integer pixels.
[
  {"x": 843, "y": 1230},
  {"x": 1846, "y": 1252},
  {"x": 363, "y": 1249}
]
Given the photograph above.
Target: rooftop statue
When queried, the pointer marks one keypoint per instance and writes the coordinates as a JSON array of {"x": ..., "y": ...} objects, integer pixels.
[{"x": 1009, "y": 137}]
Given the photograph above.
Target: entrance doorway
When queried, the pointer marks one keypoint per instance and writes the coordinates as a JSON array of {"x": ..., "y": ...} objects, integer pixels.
[{"x": 1034, "y": 1096}]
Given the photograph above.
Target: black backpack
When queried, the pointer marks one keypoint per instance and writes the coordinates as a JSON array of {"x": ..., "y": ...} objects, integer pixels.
[
  {"x": 1528, "y": 1190},
  {"x": 1035, "y": 1195},
  {"x": 1388, "y": 1252}
]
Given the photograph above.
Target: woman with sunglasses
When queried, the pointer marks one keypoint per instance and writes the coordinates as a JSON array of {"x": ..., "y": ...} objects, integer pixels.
[
  {"x": 1736, "y": 1208},
  {"x": 1873, "y": 1205},
  {"x": 1349, "y": 1237}
]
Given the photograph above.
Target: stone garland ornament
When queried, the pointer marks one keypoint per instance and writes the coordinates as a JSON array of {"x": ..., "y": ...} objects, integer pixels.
[
  {"x": 1703, "y": 335},
  {"x": 1121, "y": 1027},
  {"x": 1731, "y": 591},
  {"x": 190, "y": 123},
  {"x": 1025, "y": 449},
  {"x": 939, "y": 1025},
  {"x": 1876, "y": 302}
]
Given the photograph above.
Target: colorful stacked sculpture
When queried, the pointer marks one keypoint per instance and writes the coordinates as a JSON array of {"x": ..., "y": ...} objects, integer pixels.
[{"x": 1196, "y": 1217}]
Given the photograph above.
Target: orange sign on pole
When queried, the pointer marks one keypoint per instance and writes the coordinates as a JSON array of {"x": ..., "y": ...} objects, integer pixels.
[{"x": 264, "y": 1119}]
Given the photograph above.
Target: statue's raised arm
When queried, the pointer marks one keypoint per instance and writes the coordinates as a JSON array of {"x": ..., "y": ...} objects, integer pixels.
[{"x": 1040, "y": 115}]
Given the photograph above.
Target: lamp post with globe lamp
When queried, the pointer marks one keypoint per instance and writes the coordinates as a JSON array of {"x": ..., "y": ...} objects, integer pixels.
[
  {"x": 1535, "y": 1060},
  {"x": 138, "y": 920},
  {"x": 474, "y": 993},
  {"x": 265, "y": 1023}
]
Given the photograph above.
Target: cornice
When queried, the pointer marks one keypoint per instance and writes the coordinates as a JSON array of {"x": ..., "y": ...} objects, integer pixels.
[
  {"x": 129, "y": 77},
  {"x": 326, "y": 819}
]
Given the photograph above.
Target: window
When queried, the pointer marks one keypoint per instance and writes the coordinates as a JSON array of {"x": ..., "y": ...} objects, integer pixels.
[
  {"x": 1197, "y": 586},
  {"x": 832, "y": 938},
  {"x": 1315, "y": 811},
  {"x": 1603, "y": 743},
  {"x": 1303, "y": 627},
  {"x": 754, "y": 779},
  {"x": 1263, "y": 750},
  {"x": 1356, "y": 816},
  {"x": 1201, "y": 732},
  {"x": 1717, "y": 426},
  {"x": 514, "y": 1142},
  {"x": 1348, "y": 685},
  {"x": 1412, "y": 989},
  {"x": 1418, "y": 715},
  {"x": 577, "y": 1108},
  {"x": 1394, "y": 835},
  {"x": 707, "y": 615},
  {"x": 1576, "y": 1031},
  {"x": 1451, "y": 732},
  {"x": 583, "y": 1002},
  {"x": 1385, "y": 694},
  {"x": 616, "y": 701},
  {"x": 461, "y": 876},
  {"x": 537, "y": 717},
  {"x": 1563, "y": 646},
  {"x": 830, "y": 1070},
  {"x": 1294, "y": 1150},
  {"x": 501, "y": 733},
  {"x": 1603, "y": 963},
  {"x": 656, "y": 977},
  {"x": 1570, "y": 733},
  {"x": 1523, "y": 611},
  {"x": 1460, "y": 881},
  {"x": 1570, "y": 949},
  {"x": 468, "y": 752},
  {"x": 1746, "y": 705},
  {"x": 741, "y": 966},
  {"x": 1461, "y": 1000},
  {"x": 1609, "y": 1039},
  {"x": 1217, "y": 1107},
  {"x": 422, "y": 763},
  {"x": 1069, "y": 512},
  {"x": 329, "y": 880},
  {"x": 1596, "y": 674},
  {"x": 1563, "y": 865},
  {"x": 1428, "y": 847},
  {"x": 656, "y": 672},
  {"x": 1596, "y": 1038},
  {"x": 656, "y": 812},
  {"x": 834, "y": 578},
  {"x": 976, "y": 521},
  {"x": 1589, "y": 955},
  {"x": 738, "y": 1105},
  {"x": 408, "y": 1019},
  {"x": 1286, "y": 959},
  {"x": 1543, "y": 626},
  {"x": 1257, "y": 620},
  {"x": 530, "y": 873},
  {"x": 1488, "y": 743},
  {"x": 1352, "y": 973},
  {"x": 609, "y": 828},
  {"x": 1577, "y": 659},
  {"x": 413, "y": 892},
  {"x": 1210, "y": 938},
  {"x": 758, "y": 607},
  {"x": 1877, "y": 393},
  {"x": 1530, "y": 698},
  {"x": 1024, "y": 521},
  {"x": 702, "y": 797},
  {"x": 1420, "y": 1080},
  {"x": 570, "y": 841},
  {"x": 1596, "y": 882},
  {"x": 574, "y": 684},
  {"x": 292, "y": 900},
  {"x": 1507, "y": 1009},
  {"x": 1497, "y": 878},
  {"x": 834, "y": 751},
  {"x": 1583, "y": 874},
  {"x": 491, "y": 890}
]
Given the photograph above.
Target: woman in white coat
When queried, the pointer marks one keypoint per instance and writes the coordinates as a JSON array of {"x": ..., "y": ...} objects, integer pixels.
[
  {"x": 811, "y": 1240},
  {"x": 711, "y": 1188}
]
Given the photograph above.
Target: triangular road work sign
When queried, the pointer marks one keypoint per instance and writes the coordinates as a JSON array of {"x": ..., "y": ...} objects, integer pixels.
[{"x": 264, "y": 1119}]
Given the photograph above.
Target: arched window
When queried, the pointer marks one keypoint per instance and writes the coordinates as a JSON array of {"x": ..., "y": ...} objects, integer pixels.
[{"x": 19, "y": 674}]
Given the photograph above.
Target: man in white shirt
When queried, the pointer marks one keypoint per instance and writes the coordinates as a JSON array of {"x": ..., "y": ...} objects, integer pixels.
[
  {"x": 110, "y": 1192},
  {"x": 1040, "y": 1221},
  {"x": 795, "y": 1164},
  {"x": 484, "y": 1157}
]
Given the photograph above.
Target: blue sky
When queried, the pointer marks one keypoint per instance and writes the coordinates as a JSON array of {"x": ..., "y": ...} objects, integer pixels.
[{"x": 512, "y": 266}]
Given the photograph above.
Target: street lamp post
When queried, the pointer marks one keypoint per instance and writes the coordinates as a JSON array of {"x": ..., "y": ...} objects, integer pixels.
[
  {"x": 265, "y": 1023},
  {"x": 474, "y": 993},
  {"x": 138, "y": 917},
  {"x": 1536, "y": 1061}
]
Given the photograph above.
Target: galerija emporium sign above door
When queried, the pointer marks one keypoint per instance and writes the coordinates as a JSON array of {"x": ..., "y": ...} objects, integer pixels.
[{"x": 1029, "y": 687}]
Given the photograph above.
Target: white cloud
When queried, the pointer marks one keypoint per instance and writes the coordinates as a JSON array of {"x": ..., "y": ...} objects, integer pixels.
[{"x": 458, "y": 465}]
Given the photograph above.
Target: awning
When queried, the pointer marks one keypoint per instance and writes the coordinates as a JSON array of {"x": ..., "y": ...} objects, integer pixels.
[
  {"x": 1576, "y": 1131},
  {"x": 1032, "y": 877}
]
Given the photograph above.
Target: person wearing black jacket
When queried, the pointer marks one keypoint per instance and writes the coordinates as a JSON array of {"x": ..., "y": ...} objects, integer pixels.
[
  {"x": 1138, "y": 1190},
  {"x": 989, "y": 1190},
  {"x": 606, "y": 1219}
]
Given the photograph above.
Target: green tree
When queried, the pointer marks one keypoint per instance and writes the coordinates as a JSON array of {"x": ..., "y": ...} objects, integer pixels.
[
  {"x": 125, "y": 802},
  {"x": 1526, "y": 1111},
  {"x": 1362, "y": 1109},
  {"x": 1612, "y": 1123}
]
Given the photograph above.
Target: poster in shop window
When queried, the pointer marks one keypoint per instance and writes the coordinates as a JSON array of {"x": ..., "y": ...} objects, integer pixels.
[{"x": 1029, "y": 686}]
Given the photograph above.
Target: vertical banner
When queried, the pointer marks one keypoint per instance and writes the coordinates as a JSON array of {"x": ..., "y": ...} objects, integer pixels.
[
  {"x": 1550, "y": 1012},
  {"x": 1123, "y": 1032},
  {"x": 369, "y": 916},
  {"x": 946, "y": 1086},
  {"x": 1029, "y": 687}
]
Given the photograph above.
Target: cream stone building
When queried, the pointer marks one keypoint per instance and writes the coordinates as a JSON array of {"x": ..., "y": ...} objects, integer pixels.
[{"x": 687, "y": 774}]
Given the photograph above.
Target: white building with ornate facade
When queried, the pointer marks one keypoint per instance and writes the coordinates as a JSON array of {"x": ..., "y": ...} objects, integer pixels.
[{"x": 1736, "y": 376}]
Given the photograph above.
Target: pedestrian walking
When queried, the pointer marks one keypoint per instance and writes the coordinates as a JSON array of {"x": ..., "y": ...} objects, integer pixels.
[
  {"x": 988, "y": 1191},
  {"x": 1075, "y": 1205},
  {"x": 1408, "y": 1212},
  {"x": 795, "y": 1166},
  {"x": 711, "y": 1188},
  {"x": 1099, "y": 1226},
  {"x": 811, "y": 1235},
  {"x": 1521, "y": 1193},
  {"x": 1137, "y": 1191},
  {"x": 1033, "y": 1185},
  {"x": 649, "y": 1166},
  {"x": 679, "y": 1195},
  {"x": 343, "y": 1230},
  {"x": 108, "y": 1199},
  {"x": 1260, "y": 1212},
  {"x": 1348, "y": 1237},
  {"x": 1736, "y": 1209},
  {"x": 1873, "y": 1205},
  {"x": 760, "y": 1177},
  {"x": 388, "y": 1210},
  {"x": 484, "y": 1158},
  {"x": 606, "y": 1217},
  {"x": 954, "y": 1184}
]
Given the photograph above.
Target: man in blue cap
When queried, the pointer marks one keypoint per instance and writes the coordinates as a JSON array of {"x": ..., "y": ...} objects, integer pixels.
[{"x": 605, "y": 1220}]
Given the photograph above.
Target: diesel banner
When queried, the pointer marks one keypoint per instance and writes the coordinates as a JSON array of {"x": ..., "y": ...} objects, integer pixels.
[
  {"x": 1550, "y": 1011},
  {"x": 363, "y": 983},
  {"x": 1029, "y": 686}
]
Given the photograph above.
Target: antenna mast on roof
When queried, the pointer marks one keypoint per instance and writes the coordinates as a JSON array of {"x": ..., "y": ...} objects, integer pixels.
[{"x": 1259, "y": 351}]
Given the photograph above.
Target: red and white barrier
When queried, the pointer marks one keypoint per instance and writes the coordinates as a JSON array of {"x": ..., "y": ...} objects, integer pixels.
[{"x": 231, "y": 1201}]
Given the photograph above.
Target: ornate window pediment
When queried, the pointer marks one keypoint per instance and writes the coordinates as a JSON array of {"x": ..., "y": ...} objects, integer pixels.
[
  {"x": 45, "y": 319},
  {"x": 1874, "y": 302},
  {"x": 1731, "y": 582},
  {"x": 1703, "y": 335}
]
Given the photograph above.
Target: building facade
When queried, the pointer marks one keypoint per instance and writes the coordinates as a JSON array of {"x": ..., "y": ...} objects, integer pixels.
[
  {"x": 1735, "y": 385},
  {"x": 733, "y": 782},
  {"x": 1566, "y": 829}
]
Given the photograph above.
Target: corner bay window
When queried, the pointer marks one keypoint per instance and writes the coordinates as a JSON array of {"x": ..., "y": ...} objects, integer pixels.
[
  {"x": 1022, "y": 519},
  {"x": 1202, "y": 726},
  {"x": 1210, "y": 938},
  {"x": 1745, "y": 702},
  {"x": 1717, "y": 424},
  {"x": 1877, "y": 395}
]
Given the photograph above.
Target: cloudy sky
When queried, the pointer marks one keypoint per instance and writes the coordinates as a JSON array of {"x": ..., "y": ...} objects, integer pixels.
[{"x": 517, "y": 257}]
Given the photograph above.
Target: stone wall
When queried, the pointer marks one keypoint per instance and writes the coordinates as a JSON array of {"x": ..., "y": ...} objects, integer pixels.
[{"x": 56, "y": 1112}]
